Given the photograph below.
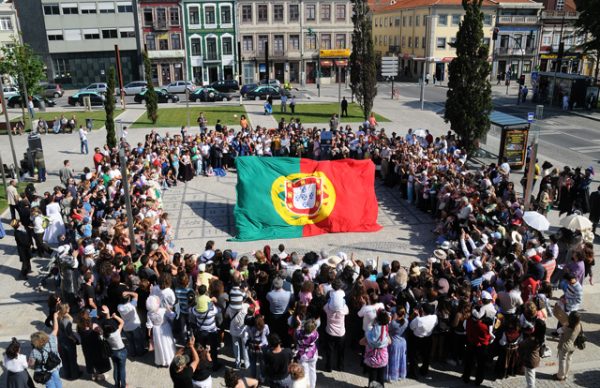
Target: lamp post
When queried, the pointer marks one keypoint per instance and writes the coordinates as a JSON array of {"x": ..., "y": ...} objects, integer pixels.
[{"x": 125, "y": 180}]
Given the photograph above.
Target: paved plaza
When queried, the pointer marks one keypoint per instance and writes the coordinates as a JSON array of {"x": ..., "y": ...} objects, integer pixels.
[{"x": 202, "y": 209}]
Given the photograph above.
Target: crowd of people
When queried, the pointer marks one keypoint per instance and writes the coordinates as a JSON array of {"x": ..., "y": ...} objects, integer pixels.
[{"x": 482, "y": 298}]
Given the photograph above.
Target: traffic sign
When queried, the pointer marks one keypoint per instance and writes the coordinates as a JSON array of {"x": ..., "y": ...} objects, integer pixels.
[
  {"x": 530, "y": 117},
  {"x": 389, "y": 66}
]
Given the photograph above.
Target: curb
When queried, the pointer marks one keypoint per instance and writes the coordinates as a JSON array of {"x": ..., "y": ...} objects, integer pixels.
[{"x": 589, "y": 117}]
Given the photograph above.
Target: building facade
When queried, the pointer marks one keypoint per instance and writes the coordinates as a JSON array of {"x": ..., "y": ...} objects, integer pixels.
[
  {"x": 161, "y": 30},
  {"x": 295, "y": 31},
  {"x": 76, "y": 39},
  {"x": 8, "y": 23},
  {"x": 210, "y": 40},
  {"x": 419, "y": 33}
]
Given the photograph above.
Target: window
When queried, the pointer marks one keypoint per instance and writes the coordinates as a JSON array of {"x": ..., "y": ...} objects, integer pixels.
[
  {"x": 455, "y": 19},
  {"x": 340, "y": 41},
  {"x": 310, "y": 41},
  {"x": 504, "y": 41},
  {"x": 423, "y": 41},
  {"x": 227, "y": 45},
  {"x": 174, "y": 16},
  {"x": 163, "y": 44},
  {"x": 73, "y": 34},
  {"x": 397, "y": 22},
  {"x": 87, "y": 8},
  {"x": 340, "y": 12},
  {"x": 310, "y": 12},
  {"x": 547, "y": 40},
  {"x": 263, "y": 13},
  {"x": 442, "y": 19},
  {"x": 278, "y": 48},
  {"x": 55, "y": 35},
  {"x": 416, "y": 42},
  {"x": 150, "y": 42},
  {"x": 560, "y": 5},
  {"x": 6, "y": 23},
  {"x": 403, "y": 21},
  {"x": 385, "y": 40},
  {"x": 248, "y": 43},
  {"x": 127, "y": 32},
  {"x": 262, "y": 40},
  {"x": 417, "y": 20},
  {"x": 69, "y": 9},
  {"x": 325, "y": 12},
  {"x": 294, "y": 43},
  {"x": 293, "y": 13},
  {"x": 518, "y": 40},
  {"x": 277, "y": 12},
  {"x": 209, "y": 15},
  {"x": 453, "y": 40},
  {"x": 175, "y": 42},
  {"x": 91, "y": 33},
  {"x": 441, "y": 43},
  {"x": 247, "y": 13},
  {"x": 409, "y": 41},
  {"x": 211, "y": 49},
  {"x": 326, "y": 41},
  {"x": 195, "y": 46},
  {"x": 148, "y": 17},
  {"x": 51, "y": 9},
  {"x": 487, "y": 19},
  {"x": 194, "y": 13},
  {"x": 403, "y": 41},
  {"x": 225, "y": 14},
  {"x": 124, "y": 7},
  {"x": 62, "y": 68},
  {"x": 486, "y": 41},
  {"x": 410, "y": 21},
  {"x": 526, "y": 67},
  {"x": 106, "y": 7},
  {"x": 109, "y": 33}
]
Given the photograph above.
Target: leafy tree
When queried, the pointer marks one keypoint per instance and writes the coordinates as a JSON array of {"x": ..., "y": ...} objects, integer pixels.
[
  {"x": 469, "y": 97},
  {"x": 363, "y": 62},
  {"x": 109, "y": 108},
  {"x": 151, "y": 97},
  {"x": 588, "y": 23},
  {"x": 24, "y": 65}
]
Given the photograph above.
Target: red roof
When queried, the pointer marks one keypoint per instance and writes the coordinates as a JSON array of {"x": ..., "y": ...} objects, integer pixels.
[{"x": 390, "y": 5}]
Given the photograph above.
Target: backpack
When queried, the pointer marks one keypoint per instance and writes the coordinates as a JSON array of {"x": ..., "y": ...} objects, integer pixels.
[{"x": 580, "y": 340}]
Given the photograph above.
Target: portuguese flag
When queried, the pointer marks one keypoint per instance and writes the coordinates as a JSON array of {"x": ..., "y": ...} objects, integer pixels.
[{"x": 280, "y": 198}]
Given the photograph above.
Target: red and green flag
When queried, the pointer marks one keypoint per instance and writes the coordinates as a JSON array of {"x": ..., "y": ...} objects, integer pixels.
[{"x": 280, "y": 198}]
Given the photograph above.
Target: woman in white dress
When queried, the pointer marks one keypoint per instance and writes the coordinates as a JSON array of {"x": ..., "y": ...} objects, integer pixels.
[
  {"x": 161, "y": 335},
  {"x": 56, "y": 226}
]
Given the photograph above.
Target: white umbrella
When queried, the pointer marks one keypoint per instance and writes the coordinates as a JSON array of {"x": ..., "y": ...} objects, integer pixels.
[
  {"x": 576, "y": 222},
  {"x": 536, "y": 220}
]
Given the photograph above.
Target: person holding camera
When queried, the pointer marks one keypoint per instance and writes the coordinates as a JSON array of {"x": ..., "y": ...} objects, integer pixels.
[{"x": 182, "y": 369}]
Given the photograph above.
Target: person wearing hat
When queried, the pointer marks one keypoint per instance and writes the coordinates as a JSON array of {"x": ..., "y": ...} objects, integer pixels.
[
  {"x": 182, "y": 369},
  {"x": 23, "y": 241}
]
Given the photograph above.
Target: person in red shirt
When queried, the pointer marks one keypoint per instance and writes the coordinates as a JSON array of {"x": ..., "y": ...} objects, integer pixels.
[
  {"x": 478, "y": 341},
  {"x": 98, "y": 158}
]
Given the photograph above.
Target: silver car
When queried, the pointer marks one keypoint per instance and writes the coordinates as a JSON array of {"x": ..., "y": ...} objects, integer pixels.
[
  {"x": 99, "y": 87},
  {"x": 10, "y": 91},
  {"x": 135, "y": 87},
  {"x": 180, "y": 86}
]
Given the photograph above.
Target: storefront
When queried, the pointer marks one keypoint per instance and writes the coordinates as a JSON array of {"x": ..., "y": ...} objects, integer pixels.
[{"x": 333, "y": 65}]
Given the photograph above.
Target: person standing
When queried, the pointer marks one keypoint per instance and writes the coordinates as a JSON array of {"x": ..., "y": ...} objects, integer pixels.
[
  {"x": 594, "y": 208},
  {"x": 181, "y": 372},
  {"x": 83, "y": 140},
  {"x": 422, "y": 327},
  {"x": 283, "y": 103},
  {"x": 30, "y": 107},
  {"x": 112, "y": 335},
  {"x": 38, "y": 232},
  {"x": 279, "y": 302},
  {"x": 529, "y": 354},
  {"x": 293, "y": 105},
  {"x": 278, "y": 360},
  {"x": 67, "y": 343},
  {"x": 333, "y": 122},
  {"x": 42, "y": 345},
  {"x": 23, "y": 241},
  {"x": 66, "y": 173},
  {"x": 16, "y": 366},
  {"x": 344, "y": 106},
  {"x": 308, "y": 354},
  {"x": 569, "y": 331},
  {"x": 478, "y": 341},
  {"x": 40, "y": 164},
  {"x": 12, "y": 196}
]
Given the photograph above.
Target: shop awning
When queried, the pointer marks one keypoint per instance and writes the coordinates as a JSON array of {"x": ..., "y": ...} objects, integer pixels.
[
  {"x": 447, "y": 59},
  {"x": 341, "y": 63}
]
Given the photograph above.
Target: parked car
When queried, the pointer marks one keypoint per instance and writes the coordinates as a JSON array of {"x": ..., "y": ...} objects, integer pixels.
[
  {"x": 246, "y": 88},
  {"x": 99, "y": 87},
  {"x": 180, "y": 86},
  {"x": 10, "y": 91},
  {"x": 227, "y": 86},
  {"x": 52, "y": 90},
  {"x": 207, "y": 94},
  {"x": 96, "y": 98},
  {"x": 162, "y": 94},
  {"x": 15, "y": 101},
  {"x": 261, "y": 92},
  {"x": 272, "y": 82},
  {"x": 135, "y": 87}
]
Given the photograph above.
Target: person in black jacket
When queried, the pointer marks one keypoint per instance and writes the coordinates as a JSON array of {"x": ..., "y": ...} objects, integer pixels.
[{"x": 23, "y": 240}]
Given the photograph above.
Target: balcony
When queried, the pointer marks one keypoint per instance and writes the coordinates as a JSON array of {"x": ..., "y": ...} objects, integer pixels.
[
  {"x": 515, "y": 51},
  {"x": 211, "y": 56},
  {"x": 160, "y": 26},
  {"x": 522, "y": 20},
  {"x": 558, "y": 15}
]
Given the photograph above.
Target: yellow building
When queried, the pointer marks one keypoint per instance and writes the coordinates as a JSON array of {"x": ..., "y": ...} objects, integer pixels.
[{"x": 419, "y": 33}]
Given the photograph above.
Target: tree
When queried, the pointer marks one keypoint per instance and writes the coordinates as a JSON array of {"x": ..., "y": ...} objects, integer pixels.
[
  {"x": 21, "y": 63},
  {"x": 363, "y": 62},
  {"x": 588, "y": 24},
  {"x": 151, "y": 97},
  {"x": 109, "y": 108},
  {"x": 469, "y": 97}
]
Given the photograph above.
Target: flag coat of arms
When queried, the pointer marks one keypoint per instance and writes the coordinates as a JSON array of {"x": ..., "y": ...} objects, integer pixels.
[{"x": 280, "y": 198}]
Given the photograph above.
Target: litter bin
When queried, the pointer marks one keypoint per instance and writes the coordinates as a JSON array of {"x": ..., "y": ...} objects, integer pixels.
[{"x": 89, "y": 124}]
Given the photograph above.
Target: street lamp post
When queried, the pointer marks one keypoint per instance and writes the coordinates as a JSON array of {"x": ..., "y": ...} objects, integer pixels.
[{"x": 125, "y": 180}]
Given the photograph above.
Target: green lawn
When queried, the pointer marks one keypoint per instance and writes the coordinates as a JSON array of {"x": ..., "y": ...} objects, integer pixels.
[
  {"x": 3, "y": 202},
  {"x": 321, "y": 113},
  {"x": 98, "y": 116},
  {"x": 176, "y": 117}
]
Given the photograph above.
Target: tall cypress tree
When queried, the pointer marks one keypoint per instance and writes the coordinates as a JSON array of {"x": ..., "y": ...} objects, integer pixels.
[
  {"x": 469, "y": 97},
  {"x": 151, "y": 97},
  {"x": 363, "y": 62},
  {"x": 109, "y": 108}
]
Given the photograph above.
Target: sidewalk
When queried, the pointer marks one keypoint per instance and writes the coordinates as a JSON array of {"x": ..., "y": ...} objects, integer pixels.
[{"x": 256, "y": 116}]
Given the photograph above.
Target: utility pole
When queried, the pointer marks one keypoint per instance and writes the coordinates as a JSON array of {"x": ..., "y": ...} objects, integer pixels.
[
  {"x": 125, "y": 180},
  {"x": 339, "y": 76},
  {"x": 239, "y": 63},
  {"x": 267, "y": 60},
  {"x": 8, "y": 129},
  {"x": 531, "y": 168},
  {"x": 120, "y": 74},
  {"x": 302, "y": 68}
]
